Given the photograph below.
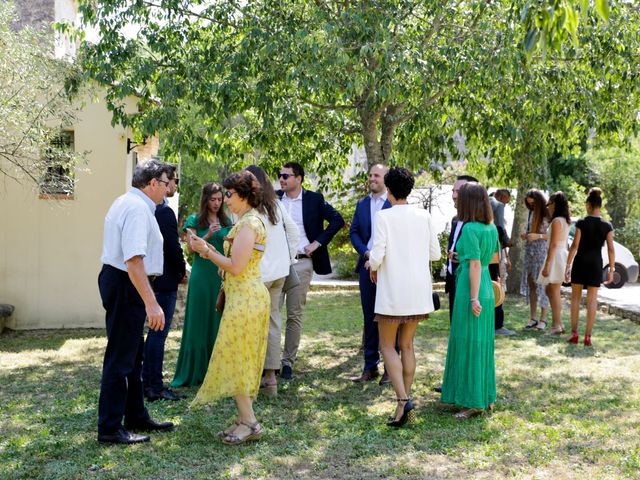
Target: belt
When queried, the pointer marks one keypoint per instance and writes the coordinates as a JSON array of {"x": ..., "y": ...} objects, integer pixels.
[
  {"x": 302, "y": 255},
  {"x": 152, "y": 278}
]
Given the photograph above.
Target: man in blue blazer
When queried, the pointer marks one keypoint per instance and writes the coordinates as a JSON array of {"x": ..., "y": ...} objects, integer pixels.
[
  {"x": 361, "y": 233},
  {"x": 309, "y": 211}
]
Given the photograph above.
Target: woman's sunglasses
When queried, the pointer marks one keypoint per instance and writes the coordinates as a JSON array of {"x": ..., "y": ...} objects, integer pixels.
[{"x": 229, "y": 194}]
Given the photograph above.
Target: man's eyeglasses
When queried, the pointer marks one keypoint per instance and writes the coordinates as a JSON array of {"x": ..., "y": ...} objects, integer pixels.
[
  {"x": 284, "y": 176},
  {"x": 229, "y": 193}
]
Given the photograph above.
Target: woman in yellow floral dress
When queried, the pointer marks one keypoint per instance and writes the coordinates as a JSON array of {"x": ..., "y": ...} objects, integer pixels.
[{"x": 238, "y": 356}]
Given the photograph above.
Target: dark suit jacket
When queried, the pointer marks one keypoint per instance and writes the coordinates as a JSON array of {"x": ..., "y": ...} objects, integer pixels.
[
  {"x": 450, "y": 279},
  {"x": 174, "y": 265},
  {"x": 315, "y": 210},
  {"x": 360, "y": 230}
]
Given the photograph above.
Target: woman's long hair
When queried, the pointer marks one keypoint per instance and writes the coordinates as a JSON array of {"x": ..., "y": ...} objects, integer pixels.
[
  {"x": 209, "y": 189},
  {"x": 474, "y": 204},
  {"x": 539, "y": 208},
  {"x": 269, "y": 197},
  {"x": 560, "y": 206}
]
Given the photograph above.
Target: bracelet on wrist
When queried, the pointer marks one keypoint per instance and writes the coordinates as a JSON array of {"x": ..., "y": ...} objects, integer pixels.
[{"x": 474, "y": 300}]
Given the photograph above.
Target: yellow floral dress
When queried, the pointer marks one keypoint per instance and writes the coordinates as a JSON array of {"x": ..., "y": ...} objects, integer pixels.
[{"x": 238, "y": 355}]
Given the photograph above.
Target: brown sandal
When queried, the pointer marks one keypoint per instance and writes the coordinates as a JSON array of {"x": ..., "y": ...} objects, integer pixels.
[
  {"x": 229, "y": 430},
  {"x": 256, "y": 432}
]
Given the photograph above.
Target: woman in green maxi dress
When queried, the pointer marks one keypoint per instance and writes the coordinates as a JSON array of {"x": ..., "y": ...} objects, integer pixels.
[
  {"x": 469, "y": 375},
  {"x": 201, "y": 320}
]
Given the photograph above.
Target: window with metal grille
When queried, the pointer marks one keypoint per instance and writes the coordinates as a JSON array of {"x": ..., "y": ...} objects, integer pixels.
[{"x": 58, "y": 177}]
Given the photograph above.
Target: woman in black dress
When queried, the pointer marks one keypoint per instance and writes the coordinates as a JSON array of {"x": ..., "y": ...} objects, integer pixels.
[{"x": 584, "y": 264}]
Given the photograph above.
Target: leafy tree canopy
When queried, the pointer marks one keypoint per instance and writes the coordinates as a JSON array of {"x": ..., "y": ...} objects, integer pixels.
[{"x": 296, "y": 80}]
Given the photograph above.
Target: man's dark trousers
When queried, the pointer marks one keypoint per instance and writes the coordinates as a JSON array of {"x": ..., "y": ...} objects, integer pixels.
[
  {"x": 154, "y": 345},
  {"x": 121, "y": 386},
  {"x": 371, "y": 339}
]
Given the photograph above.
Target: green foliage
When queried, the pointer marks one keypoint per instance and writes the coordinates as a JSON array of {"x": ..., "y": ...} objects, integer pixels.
[
  {"x": 617, "y": 172},
  {"x": 36, "y": 103},
  {"x": 629, "y": 236},
  {"x": 438, "y": 265},
  {"x": 551, "y": 24},
  {"x": 343, "y": 256}
]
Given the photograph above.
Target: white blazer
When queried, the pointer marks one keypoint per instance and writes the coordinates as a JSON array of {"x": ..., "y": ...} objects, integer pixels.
[
  {"x": 277, "y": 254},
  {"x": 404, "y": 244}
]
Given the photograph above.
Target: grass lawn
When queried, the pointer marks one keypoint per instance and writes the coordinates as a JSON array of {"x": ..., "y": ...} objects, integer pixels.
[{"x": 562, "y": 411}]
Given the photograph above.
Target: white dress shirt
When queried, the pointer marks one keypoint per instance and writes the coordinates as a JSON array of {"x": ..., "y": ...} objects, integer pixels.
[
  {"x": 375, "y": 206},
  {"x": 131, "y": 229},
  {"x": 294, "y": 209},
  {"x": 405, "y": 243}
]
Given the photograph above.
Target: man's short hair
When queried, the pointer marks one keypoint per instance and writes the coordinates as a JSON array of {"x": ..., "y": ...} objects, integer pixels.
[
  {"x": 298, "y": 171},
  {"x": 145, "y": 172},
  {"x": 502, "y": 192},
  {"x": 468, "y": 178}
]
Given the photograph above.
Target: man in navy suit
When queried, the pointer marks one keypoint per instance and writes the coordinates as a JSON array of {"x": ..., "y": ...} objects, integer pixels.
[
  {"x": 166, "y": 289},
  {"x": 361, "y": 233},
  {"x": 309, "y": 211}
]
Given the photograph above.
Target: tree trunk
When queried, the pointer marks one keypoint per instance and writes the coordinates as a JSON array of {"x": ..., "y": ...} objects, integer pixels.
[
  {"x": 516, "y": 252},
  {"x": 371, "y": 142}
]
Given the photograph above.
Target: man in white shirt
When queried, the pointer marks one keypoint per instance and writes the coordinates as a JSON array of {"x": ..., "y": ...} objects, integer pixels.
[
  {"x": 361, "y": 234},
  {"x": 131, "y": 256},
  {"x": 309, "y": 211}
]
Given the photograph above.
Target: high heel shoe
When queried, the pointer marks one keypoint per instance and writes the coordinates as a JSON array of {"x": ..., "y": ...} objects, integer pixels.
[
  {"x": 587, "y": 341},
  {"x": 573, "y": 338},
  {"x": 408, "y": 414}
]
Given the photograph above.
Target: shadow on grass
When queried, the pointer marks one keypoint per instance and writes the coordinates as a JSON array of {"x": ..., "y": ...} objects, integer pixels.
[{"x": 19, "y": 341}]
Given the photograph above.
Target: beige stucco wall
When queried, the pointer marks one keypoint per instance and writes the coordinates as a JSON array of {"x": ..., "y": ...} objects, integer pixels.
[{"x": 50, "y": 249}]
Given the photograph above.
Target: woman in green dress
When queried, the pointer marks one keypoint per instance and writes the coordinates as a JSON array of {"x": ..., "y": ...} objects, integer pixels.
[
  {"x": 201, "y": 320},
  {"x": 470, "y": 375}
]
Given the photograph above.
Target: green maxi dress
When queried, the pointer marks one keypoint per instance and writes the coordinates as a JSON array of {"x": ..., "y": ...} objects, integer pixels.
[
  {"x": 470, "y": 373},
  {"x": 201, "y": 320}
]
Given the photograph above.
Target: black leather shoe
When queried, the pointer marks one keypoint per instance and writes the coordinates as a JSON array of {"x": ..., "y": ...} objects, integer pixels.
[
  {"x": 286, "y": 372},
  {"x": 149, "y": 425},
  {"x": 385, "y": 380},
  {"x": 122, "y": 437},
  {"x": 164, "y": 394},
  {"x": 367, "y": 376},
  {"x": 438, "y": 389}
]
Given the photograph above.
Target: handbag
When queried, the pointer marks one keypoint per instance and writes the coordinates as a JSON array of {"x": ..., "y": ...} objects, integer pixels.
[
  {"x": 436, "y": 301},
  {"x": 220, "y": 301},
  {"x": 292, "y": 280},
  {"x": 222, "y": 297},
  {"x": 498, "y": 293}
]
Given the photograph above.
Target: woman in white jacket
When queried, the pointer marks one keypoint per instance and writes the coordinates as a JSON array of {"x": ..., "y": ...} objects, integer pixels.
[
  {"x": 404, "y": 244},
  {"x": 279, "y": 253}
]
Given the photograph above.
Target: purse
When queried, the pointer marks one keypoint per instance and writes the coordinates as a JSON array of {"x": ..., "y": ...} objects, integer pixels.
[
  {"x": 436, "y": 301},
  {"x": 221, "y": 299},
  {"x": 292, "y": 280}
]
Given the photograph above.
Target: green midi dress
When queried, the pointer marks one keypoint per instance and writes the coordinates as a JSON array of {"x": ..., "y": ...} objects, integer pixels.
[
  {"x": 201, "y": 320},
  {"x": 470, "y": 373}
]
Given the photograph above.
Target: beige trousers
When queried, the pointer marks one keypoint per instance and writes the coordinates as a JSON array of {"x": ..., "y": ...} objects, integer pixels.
[
  {"x": 296, "y": 299},
  {"x": 272, "y": 359}
]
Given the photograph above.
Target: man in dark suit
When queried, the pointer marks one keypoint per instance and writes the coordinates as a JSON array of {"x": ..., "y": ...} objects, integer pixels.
[
  {"x": 166, "y": 291},
  {"x": 362, "y": 240},
  {"x": 309, "y": 211}
]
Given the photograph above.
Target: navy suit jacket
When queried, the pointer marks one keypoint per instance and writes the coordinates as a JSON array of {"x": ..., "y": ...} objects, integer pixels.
[
  {"x": 315, "y": 211},
  {"x": 174, "y": 266},
  {"x": 360, "y": 230},
  {"x": 450, "y": 279}
]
